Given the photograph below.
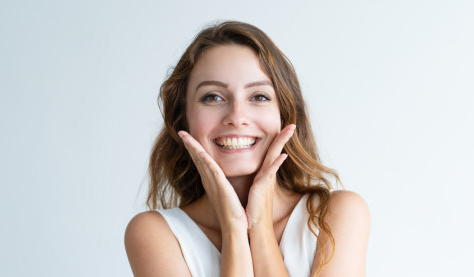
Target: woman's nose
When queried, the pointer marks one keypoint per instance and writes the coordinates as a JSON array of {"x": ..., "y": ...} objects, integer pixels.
[{"x": 236, "y": 115}]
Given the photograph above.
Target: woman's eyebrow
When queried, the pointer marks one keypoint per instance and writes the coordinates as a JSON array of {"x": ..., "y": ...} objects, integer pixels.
[
  {"x": 224, "y": 85},
  {"x": 211, "y": 83},
  {"x": 259, "y": 83}
]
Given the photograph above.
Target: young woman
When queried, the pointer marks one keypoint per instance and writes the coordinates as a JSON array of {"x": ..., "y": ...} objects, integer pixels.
[{"x": 236, "y": 173}]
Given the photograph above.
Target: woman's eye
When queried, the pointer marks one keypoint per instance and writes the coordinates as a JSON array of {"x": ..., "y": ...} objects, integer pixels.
[
  {"x": 260, "y": 98},
  {"x": 209, "y": 98}
]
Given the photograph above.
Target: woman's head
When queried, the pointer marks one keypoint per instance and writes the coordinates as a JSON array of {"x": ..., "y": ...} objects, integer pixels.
[
  {"x": 273, "y": 62},
  {"x": 232, "y": 109},
  {"x": 172, "y": 170}
]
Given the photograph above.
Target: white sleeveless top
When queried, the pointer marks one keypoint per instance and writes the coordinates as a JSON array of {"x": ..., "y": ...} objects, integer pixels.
[{"x": 297, "y": 245}]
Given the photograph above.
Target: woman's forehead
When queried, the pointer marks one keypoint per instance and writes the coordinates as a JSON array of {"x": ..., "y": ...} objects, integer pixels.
[{"x": 231, "y": 64}]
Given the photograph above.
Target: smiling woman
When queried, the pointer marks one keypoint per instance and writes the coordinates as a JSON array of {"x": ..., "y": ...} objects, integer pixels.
[
  {"x": 237, "y": 187},
  {"x": 234, "y": 100}
]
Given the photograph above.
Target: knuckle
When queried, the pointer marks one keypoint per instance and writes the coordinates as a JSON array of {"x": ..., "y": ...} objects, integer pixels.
[
  {"x": 270, "y": 175},
  {"x": 266, "y": 174}
]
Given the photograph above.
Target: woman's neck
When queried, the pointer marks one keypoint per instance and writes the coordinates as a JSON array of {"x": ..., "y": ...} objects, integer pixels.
[
  {"x": 241, "y": 185},
  {"x": 202, "y": 211}
]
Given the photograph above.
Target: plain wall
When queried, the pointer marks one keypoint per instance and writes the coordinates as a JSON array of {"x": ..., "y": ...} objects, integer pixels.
[{"x": 389, "y": 85}]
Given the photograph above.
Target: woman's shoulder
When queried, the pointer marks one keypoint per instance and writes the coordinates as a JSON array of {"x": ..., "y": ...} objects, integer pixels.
[
  {"x": 148, "y": 219},
  {"x": 348, "y": 209},
  {"x": 346, "y": 201},
  {"x": 152, "y": 247},
  {"x": 348, "y": 219},
  {"x": 146, "y": 225},
  {"x": 339, "y": 199}
]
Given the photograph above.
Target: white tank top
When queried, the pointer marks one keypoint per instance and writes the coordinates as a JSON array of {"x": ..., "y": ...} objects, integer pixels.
[{"x": 297, "y": 245}]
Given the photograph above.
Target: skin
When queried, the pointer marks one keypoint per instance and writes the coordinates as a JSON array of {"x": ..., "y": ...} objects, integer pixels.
[
  {"x": 228, "y": 95},
  {"x": 244, "y": 211}
]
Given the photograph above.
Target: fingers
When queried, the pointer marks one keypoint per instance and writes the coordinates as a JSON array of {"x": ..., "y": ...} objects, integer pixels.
[
  {"x": 212, "y": 169},
  {"x": 207, "y": 167},
  {"x": 276, "y": 147},
  {"x": 273, "y": 168},
  {"x": 190, "y": 141},
  {"x": 220, "y": 192},
  {"x": 193, "y": 147},
  {"x": 261, "y": 194}
]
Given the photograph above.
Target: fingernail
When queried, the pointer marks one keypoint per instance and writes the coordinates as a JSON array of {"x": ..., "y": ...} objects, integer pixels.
[
  {"x": 292, "y": 131},
  {"x": 291, "y": 127},
  {"x": 181, "y": 135}
]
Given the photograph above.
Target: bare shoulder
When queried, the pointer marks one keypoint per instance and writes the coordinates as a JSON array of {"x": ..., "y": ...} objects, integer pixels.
[
  {"x": 348, "y": 219},
  {"x": 152, "y": 249},
  {"x": 345, "y": 203}
]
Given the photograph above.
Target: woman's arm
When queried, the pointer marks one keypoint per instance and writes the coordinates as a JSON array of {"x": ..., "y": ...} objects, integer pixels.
[
  {"x": 236, "y": 259},
  {"x": 266, "y": 255},
  {"x": 152, "y": 249},
  {"x": 349, "y": 221},
  {"x": 256, "y": 221}
]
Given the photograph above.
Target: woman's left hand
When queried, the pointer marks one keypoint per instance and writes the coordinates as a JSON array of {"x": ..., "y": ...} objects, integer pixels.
[{"x": 259, "y": 207}]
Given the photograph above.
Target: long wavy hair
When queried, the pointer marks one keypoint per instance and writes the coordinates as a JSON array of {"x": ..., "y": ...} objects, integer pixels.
[{"x": 174, "y": 178}]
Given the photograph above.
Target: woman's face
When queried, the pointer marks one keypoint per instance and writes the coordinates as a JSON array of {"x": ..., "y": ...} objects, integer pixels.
[{"x": 232, "y": 109}]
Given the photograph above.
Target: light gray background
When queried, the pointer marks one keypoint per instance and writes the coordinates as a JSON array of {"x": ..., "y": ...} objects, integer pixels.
[{"x": 389, "y": 85}]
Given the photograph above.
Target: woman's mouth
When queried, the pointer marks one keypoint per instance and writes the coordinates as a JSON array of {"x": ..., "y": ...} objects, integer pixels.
[{"x": 229, "y": 143}]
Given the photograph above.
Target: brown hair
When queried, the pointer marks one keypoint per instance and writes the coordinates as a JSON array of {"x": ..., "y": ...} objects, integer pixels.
[{"x": 175, "y": 180}]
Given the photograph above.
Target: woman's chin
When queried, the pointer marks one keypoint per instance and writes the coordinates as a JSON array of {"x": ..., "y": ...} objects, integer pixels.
[{"x": 236, "y": 171}]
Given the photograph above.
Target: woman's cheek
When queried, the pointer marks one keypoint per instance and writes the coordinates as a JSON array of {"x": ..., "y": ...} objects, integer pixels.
[{"x": 200, "y": 126}]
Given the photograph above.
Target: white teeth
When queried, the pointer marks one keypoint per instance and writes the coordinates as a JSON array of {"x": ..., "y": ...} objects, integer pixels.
[{"x": 236, "y": 143}]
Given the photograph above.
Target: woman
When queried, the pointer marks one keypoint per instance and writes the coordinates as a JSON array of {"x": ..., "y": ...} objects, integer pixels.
[{"x": 237, "y": 156}]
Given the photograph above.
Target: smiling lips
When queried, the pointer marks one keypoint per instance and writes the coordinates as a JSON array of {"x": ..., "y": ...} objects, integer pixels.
[{"x": 235, "y": 142}]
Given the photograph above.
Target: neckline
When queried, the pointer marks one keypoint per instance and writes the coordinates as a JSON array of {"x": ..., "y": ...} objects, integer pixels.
[
  {"x": 198, "y": 229},
  {"x": 293, "y": 215},
  {"x": 202, "y": 234}
]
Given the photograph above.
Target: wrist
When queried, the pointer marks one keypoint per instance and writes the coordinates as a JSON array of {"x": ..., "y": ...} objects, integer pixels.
[
  {"x": 261, "y": 229},
  {"x": 261, "y": 222},
  {"x": 233, "y": 228}
]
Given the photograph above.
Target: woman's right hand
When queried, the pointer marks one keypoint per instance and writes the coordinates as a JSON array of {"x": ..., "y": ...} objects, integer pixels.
[{"x": 226, "y": 203}]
